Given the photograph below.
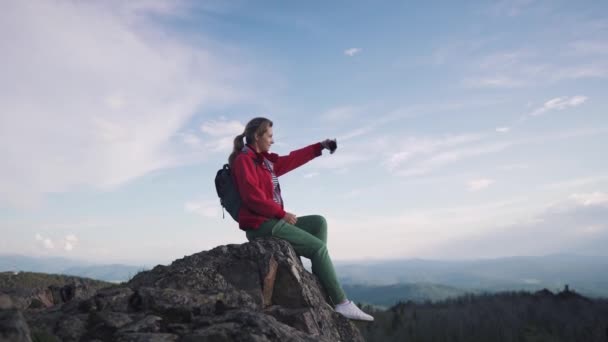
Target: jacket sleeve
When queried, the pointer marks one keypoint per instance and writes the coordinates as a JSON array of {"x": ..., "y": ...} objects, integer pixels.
[
  {"x": 252, "y": 196},
  {"x": 297, "y": 158}
]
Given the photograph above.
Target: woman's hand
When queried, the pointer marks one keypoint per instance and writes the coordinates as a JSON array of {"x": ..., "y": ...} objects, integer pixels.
[
  {"x": 330, "y": 144},
  {"x": 290, "y": 218}
]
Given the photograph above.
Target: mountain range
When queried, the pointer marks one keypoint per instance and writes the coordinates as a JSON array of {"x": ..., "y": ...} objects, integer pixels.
[
  {"x": 420, "y": 279},
  {"x": 587, "y": 274}
]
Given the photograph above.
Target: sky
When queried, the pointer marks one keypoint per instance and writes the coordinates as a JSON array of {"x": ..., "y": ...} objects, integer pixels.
[{"x": 465, "y": 130}]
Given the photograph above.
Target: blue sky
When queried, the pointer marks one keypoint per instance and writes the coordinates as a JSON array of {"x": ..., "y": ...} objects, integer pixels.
[{"x": 465, "y": 130}]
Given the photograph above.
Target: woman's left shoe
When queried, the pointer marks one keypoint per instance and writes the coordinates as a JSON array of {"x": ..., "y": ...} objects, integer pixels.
[{"x": 351, "y": 311}]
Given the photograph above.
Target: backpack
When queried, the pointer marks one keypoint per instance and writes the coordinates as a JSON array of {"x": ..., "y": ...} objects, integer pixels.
[{"x": 227, "y": 192}]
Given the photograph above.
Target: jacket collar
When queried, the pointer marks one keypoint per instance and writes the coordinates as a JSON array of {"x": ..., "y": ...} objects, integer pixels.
[{"x": 259, "y": 156}]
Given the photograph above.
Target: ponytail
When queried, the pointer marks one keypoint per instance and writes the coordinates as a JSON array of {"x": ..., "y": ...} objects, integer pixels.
[
  {"x": 238, "y": 146},
  {"x": 255, "y": 127}
]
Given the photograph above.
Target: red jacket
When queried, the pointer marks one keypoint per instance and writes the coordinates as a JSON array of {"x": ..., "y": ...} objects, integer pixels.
[{"x": 254, "y": 182}]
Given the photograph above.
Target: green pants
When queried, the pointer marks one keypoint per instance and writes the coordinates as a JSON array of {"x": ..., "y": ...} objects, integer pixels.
[{"x": 309, "y": 239}]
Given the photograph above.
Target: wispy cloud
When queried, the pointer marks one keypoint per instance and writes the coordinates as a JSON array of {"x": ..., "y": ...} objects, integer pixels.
[
  {"x": 352, "y": 51},
  {"x": 126, "y": 91},
  {"x": 204, "y": 208},
  {"x": 415, "y": 147},
  {"x": 532, "y": 67},
  {"x": 493, "y": 82},
  {"x": 503, "y": 129},
  {"x": 222, "y": 127},
  {"x": 443, "y": 158},
  {"x": 591, "y": 199},
  {"x": 340, "y": 113},
  {"x": 355, "y": 133},
  {"x": 69, "y": 242},
  {"x": 479, "y": 184},
  {"x": 576, "y": 182},
  {"x": 220, "y": 134},
  {"x": 420, "y": 156},
  {"x": 560, "y": 103},
  {"x": 44, "y": 242},
  {"x": 581, "y": 229}
]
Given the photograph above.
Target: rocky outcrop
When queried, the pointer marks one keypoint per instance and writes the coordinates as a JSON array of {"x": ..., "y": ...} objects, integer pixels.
[
  {"x": 37, "y": 290},
  {"x": 12, "y": 323},
  {"x": 257, "y": 291}
]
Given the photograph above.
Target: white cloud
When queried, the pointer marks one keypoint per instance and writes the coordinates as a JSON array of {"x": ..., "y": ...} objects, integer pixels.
[
  {"x": 126, "y": 89},
  {"x": 220, "y": 128},
  {"x": 355, "y": 133},
  {"x": 493, "y": 82},
  {"x": 352, "y": 51},
  {"x": 48, "y": 243},
  {"x": 532, "y": 67},
  {"x": 560, "y": 103},
  {"x": 222, "y": 133},
  {"x": 576, "y": 182},
  {"x": 479, "y": 184},
  {"x": 451, "y": 156},
  {"x": 591, "y": 199},
  {"x": 417, "y": 232},
  {"x": 423, "y": 147},
  {"x": 44, "y": 241},
  {"x": 503, "y": 129},
  {"x": 191, "y": 140},
  {"x": 71, "y": 238},
  {"x": 70, "y": 242},
  {"x": 205, "y": 208},
  {"x": 340, "y": 113}
]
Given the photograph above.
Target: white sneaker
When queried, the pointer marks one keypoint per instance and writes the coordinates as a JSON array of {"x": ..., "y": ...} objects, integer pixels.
[{"x": 351, "y": 311}]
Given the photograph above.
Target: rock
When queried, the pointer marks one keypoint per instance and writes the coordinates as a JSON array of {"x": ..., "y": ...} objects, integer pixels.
[
  {"x": 6, "y": 302},
  {"x": 71, "y": 328},
  {"x": 148, "y": 324},
  {"x": 257, "y": 291},
  {"x": 13, "y": 327},
  {"x": 146, "y": 337}
]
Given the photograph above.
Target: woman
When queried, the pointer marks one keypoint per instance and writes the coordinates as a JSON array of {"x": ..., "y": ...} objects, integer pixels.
[{"x": 256, "y": 173}]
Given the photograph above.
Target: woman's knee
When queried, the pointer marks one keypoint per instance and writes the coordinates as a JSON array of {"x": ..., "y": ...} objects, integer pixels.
[{"x": 321, "y": 222}]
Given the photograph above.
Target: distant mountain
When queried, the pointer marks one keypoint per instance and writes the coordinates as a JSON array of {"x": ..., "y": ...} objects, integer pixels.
[
  {"x": 33, "y": 264},
  {"x": 585, "y": 273},
  {"x": 388, "y": 295},
  {"x": 111, "y": 273}
]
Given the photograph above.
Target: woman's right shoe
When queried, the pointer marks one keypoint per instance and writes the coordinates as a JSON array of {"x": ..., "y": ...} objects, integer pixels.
[{"x": 351, "y": 311}]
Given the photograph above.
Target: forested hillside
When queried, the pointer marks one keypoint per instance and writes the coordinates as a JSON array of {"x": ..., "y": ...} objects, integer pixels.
[{"x": 513, "y": 316}]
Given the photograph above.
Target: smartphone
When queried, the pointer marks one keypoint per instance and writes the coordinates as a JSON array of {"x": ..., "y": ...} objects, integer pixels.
[{"x": 333, "y": 145}]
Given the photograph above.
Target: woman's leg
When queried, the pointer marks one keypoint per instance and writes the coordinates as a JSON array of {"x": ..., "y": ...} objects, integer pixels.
[
  {"x": 308, "y": 246},
  {"x": 315, "y": 225}
]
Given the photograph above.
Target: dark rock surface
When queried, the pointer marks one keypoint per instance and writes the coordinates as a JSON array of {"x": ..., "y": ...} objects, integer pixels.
[{"x": 257, "y": 291}]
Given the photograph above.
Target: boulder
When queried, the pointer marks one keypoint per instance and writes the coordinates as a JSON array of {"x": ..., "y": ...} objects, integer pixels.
[{"x": 256, "y": 291}]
